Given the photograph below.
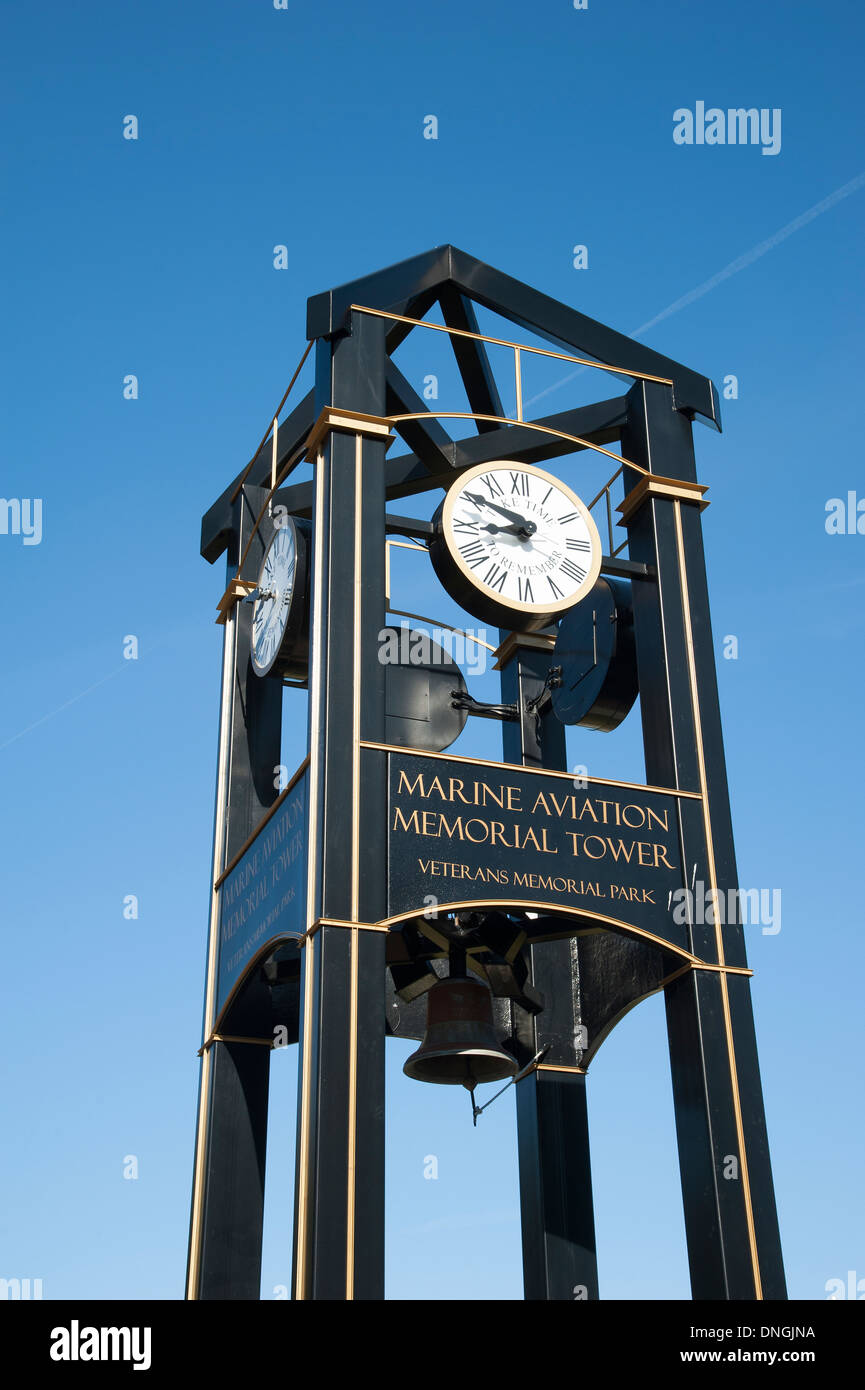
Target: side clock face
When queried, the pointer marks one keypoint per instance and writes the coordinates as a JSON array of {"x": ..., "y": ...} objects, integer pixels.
[
  {"x": 514, "y": 545},
  {"x": 280, "y": 616}
]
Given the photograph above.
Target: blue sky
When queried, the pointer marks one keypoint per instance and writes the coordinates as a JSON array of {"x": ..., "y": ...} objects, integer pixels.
[{"x": 304, "y": 127}]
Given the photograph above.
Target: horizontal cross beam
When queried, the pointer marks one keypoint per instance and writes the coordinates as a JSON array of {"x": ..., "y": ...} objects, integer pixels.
[{"x": 599, "y": 423}]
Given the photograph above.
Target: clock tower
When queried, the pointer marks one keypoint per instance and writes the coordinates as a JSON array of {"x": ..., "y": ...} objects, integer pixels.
[{"x": 332, "y": 924}]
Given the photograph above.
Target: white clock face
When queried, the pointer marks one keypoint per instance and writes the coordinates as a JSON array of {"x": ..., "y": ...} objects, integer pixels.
[
  {"x": 271, "y": 608},
  {"x": 522, "y": 536}
]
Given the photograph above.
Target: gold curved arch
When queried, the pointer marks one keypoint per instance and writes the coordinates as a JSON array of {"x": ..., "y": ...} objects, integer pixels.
[
  {"x": 527, "y": 424},
  {"x": 604, "y": 921}
]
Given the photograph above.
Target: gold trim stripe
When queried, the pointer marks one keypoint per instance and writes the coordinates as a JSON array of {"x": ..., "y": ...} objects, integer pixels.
[
  {"x": 268, "y": 815},
  {"x": 242, "y": 479},
  {"x": 229, "y": 651},
  {"x": 713, "y": 880},
  {"x": 304, "y": 1144},
  {"x": 344, "y": 922},
  {"x": 534, "y": 771},
  {"x": 229, "y": 1038},
  {"x": 316, "y": 652},
  {"x": 351, "y": 1159},
  {"x": 505, "y": 342},
  {"x": 439, "y": 622}
]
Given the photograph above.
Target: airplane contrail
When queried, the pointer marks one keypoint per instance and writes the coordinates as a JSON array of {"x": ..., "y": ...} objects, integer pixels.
[{"x": 740, "y": 263}]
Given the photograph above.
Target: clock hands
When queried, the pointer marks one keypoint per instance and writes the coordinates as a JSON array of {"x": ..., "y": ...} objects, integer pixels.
[
  {"x": 505, "y": 530},
  {"x": 522, "y": 526}
]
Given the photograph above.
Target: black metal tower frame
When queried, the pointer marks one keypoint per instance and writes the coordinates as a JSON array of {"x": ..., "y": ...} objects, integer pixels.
[{"x": 333, "y": 994}]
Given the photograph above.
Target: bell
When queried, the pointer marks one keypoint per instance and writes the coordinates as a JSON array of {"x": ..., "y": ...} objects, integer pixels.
[{"x": 460, "y": 1047}]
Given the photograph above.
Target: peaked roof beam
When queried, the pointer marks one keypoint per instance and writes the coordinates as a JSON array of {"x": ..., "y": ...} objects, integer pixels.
[
  {"x": 566, "y": 327},
  {"x": 218, "y": 522},
  {"x": 394, "y": 288},
  {"x": 472, "y": 358}
]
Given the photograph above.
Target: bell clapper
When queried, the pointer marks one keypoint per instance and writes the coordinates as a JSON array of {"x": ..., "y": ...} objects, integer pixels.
[{"x": 526, "y": 1071}]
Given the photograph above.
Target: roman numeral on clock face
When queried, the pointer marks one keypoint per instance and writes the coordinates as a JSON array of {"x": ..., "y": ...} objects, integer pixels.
[
  {"x": 492, "y": 485},
  {"x": 470, "y": 526},
  {"x": 474, "y": 553},
  {"x": 573, "y": 571},
  {"x": 572, "y": 544},
  {"x": 569, "y": 516},
  {"x": 524, "y": 590},
  {"x": 495, "y": 578},
  {"x": 520, "y": 484},
  {"x": 556, "y": 591}
]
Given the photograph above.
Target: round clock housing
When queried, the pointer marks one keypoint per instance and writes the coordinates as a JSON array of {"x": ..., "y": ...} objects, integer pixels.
[
  {"x": 280, "y": 615},
  {"x": 514, "y": 545},
  {"x": 596, "y": 651}
]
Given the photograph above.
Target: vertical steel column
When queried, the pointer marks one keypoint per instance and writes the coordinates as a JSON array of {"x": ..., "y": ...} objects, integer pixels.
[
  {"x": 231, "y": 1134},
  {"x": 730, "y": 1218},
  {"x": 557, "y": 1211},
  {"x": 339, "y": 1202}
]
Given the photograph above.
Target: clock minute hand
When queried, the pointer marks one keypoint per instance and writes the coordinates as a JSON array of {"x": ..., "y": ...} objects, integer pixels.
[{"x": 527, "y": 527}]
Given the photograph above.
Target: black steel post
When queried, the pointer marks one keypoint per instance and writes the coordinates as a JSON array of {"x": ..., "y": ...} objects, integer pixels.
[
  {"x": 339, "y": 1204},
  {"x": 556, "y": 1207},
  {"x": 228, "y": 1177},
  {"x": 730, "y": 1218}
]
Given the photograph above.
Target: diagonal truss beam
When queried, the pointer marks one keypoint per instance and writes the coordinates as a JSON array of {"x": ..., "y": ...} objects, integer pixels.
[
  {"x": 431, "y": 444},
  {"x": 472, "y": 359}
]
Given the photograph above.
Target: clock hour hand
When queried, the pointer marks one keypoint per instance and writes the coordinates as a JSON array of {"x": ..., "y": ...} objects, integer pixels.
[
  {"x": 527, "y": 528},
  {"x": 504, "y": 530}
]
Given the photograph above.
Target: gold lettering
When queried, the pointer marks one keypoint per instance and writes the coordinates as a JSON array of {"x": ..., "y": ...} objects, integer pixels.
[
  {"x": 477, "y": 840},
  {"x": 488, "y": 792},
  {"x": 622, "y": 852},
  {"x": 450, "y": 830},
  {"x": 406, "y": 785}
]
